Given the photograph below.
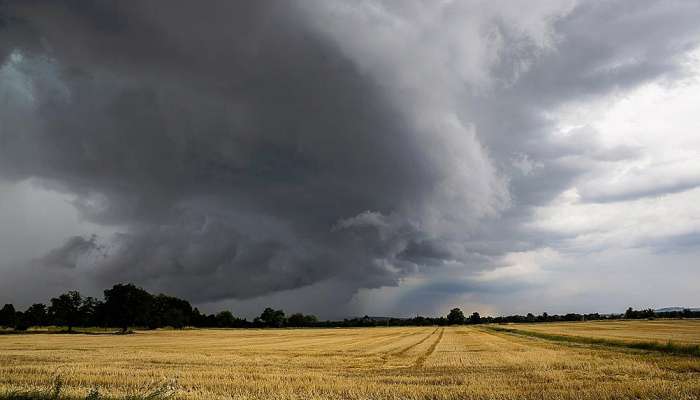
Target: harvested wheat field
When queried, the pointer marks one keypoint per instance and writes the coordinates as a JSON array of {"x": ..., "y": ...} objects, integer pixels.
[
  {"x": 661, "y": 330},
  {"x": 372, "y": 363}
]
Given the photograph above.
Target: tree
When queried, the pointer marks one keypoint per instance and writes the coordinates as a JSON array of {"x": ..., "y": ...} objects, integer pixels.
[
  {"x": 127, "y": 305},
  {"x": 21, "y": 323},
  {"x": 89, "y": 311},
  {"x": 199, "y": 319},
  {"x": 300, "y": 319},
  {"x": 296, "y": 319},
  {"x": 36, "y": 315},
  {"x": 455, "y": 317},
  {"x": 310, "y": 320},
  {"x": 475, "y": 318},
  {"x": 273, "y": 318},
  {"x": 65, "y": 309},
  {"x": 225, "y": 319},
  {"x": 8, "y": 316},
  {"x": 170, "y": 311}
]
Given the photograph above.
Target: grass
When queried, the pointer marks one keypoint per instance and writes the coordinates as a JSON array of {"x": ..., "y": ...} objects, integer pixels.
[
  {"x": 667, "y": 347},
  {"x": 364, "y": 363}
]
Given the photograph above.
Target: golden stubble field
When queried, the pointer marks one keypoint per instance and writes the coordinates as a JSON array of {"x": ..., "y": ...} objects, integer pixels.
[
  {"x": 660, "y": 330},
  {"x": 371, "y": 363}
]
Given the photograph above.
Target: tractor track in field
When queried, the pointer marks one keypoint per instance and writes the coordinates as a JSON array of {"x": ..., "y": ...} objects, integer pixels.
[
  {"x": 421, "y": 360},
  {"x": 387, "y": 356},
  {"x": 418, "y": 343}
]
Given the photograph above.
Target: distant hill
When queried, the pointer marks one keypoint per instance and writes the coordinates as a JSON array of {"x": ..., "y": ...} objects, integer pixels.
[{"x": 675, "y": 309}]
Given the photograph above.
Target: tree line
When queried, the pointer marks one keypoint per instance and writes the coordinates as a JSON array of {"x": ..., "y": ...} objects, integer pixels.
[{"x": 126, "y": 305}]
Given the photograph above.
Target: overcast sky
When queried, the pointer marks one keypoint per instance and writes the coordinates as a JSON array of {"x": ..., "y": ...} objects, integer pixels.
[{"x": 353, "y": 157}]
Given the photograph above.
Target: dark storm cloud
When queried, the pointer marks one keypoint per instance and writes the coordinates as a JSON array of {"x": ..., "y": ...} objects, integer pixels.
[
  {"x": 225, "y": 141},
  {"x": 68, "y": 255}
]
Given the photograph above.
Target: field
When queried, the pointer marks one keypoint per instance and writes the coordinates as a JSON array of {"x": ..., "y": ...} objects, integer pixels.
[
  {"x": 682, "y": 332},
  {"x": 373, "y": 363}
]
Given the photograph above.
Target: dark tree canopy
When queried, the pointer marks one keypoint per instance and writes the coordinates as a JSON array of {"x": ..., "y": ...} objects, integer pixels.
[
  {"x": 7, "y": 316},
  {"x": 475, "y": 318},
  {"x": 170, "y": 311},
  {"x": 36, "y": 315},
  {"x": 455, "y": 317},
  {"x": 299, "y": 319},
  {"x": 65, "y": 309},
  {"x": 272, "y": 318},
  {"x": 91, "y": 311},
  {"x": 127, "y": 305},
  {"x": 225, "y": 319}
]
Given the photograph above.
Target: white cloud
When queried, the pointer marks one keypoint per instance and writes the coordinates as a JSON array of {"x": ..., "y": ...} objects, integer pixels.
[
  {"x": 633, "y": 201},
  {"x": 522, "y": 266}
]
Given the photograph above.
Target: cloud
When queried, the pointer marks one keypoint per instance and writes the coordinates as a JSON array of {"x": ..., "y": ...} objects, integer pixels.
[
  {"x": 644, "y": 181},
  {"x": 250, "y": 152},
  {"x": 225, "y": 160},
  {"x": 68, "y": 255}
]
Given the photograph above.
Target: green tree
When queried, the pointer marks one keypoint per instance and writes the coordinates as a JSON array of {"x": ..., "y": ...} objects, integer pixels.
[
  {"x": 170, "y": 311},
  {"x": 310, "y": 320},
  {"x": 273, "y": 318},
  {"x": 225, "y": 319},
  {"x": 89, "y": 310},
  {"x": 21, "y": 322},
  {"x": 296, "y": 319},
  {"x": 8, "y": 316},
  {"x": 455, "y": 317},
  {"x": 65, "y": 309},
  {"x": 475, "y": 318},
  {"x": 127, "y": 305},
  {"x": 299, "y": 319},
  {"x": 36, "y": 315}
]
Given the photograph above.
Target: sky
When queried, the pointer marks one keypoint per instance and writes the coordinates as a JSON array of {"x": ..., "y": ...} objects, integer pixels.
[{"x": 346, "y": 158}]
